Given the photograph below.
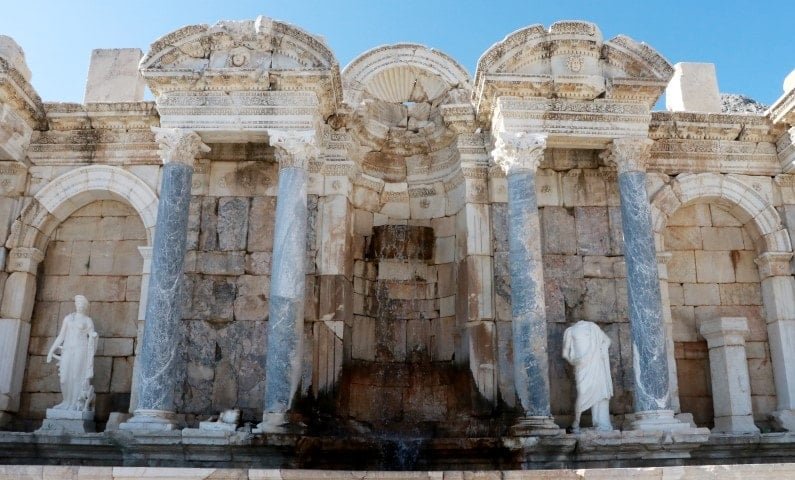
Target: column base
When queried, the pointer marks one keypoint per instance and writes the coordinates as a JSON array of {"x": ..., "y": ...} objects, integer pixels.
[
  {"x": 784, "y": 419},
  {"x": 735, "y": 424},
  {"x": 535, "y": 426},
  {"x": 60, "y": 421},
  {"x": 150, "y": 421},
  {"x": 657, "y": 420}
]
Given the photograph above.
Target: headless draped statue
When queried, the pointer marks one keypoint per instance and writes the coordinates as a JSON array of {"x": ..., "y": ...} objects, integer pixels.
[
  {"x": 74, "y": 349},
  {"x": 586, "y": 347}
]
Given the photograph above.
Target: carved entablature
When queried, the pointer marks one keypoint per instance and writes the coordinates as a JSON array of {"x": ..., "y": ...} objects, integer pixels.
[
  {"x": 572, "y": 123},
  {"x": 21, "y": 109},
  {"x": 713, "y": 142},
  {"x": 568, "y": 61},
  {"x": 108, "y": 133},
  {"x": 263, "y": 73}
]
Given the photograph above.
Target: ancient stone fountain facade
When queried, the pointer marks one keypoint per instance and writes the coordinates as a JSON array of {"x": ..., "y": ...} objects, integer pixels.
[{"x": 377, "y": 264}]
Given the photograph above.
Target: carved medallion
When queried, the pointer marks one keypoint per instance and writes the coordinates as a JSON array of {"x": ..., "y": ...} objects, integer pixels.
[{"x": 575, "y": 63}]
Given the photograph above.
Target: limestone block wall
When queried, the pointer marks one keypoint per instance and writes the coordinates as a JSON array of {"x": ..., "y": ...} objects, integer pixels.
[
  {"x": 584, "y": 272},
  {"x": 92, "y": 253},
  {"x": 712, "y": 274},
  {"x": 227, "y": 281}
]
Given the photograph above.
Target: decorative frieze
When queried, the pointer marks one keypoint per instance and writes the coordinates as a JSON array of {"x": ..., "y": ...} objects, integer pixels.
[{"x": 572, "y": 123}]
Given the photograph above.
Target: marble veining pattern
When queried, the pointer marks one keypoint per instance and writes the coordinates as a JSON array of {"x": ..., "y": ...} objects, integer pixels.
[
  {"x": 527, "y": 295},
  {"x": 286, "y": 309},
  {"x": 164, "y": 309},
  {"x": 643, "y": 291}
]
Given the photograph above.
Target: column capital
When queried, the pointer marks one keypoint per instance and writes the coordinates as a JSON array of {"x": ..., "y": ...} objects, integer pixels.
[
  {"x": 630, "y": 154},
  {"x": 24, "y": 259},
  {"x": 179, "y": 145},
  {"x": 294, "y": 148},
  {"x": 774, "y": 264},
  {"x": 724, "y": 331},
  {"x": 519, "y": 152}
]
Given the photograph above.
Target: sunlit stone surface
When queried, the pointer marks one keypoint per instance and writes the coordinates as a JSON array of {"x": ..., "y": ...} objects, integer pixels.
[{"x": 374, "y": 267}]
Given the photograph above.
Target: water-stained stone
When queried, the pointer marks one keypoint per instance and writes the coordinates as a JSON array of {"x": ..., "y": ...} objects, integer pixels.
[
  {"x": 232, "y": 223},
  {"x": 406, "y": 242},
  {"x": 208, "y": 234}
]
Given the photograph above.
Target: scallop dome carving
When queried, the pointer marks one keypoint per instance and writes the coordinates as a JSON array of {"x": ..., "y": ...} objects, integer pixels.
[{"x": 406, "y": 84}]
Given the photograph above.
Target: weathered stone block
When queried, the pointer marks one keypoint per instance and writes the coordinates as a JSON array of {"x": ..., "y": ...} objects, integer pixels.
[
  {"x": 220, "y": 263},
  {"x": 113, "y": 76},
  {"x": 583, "y": 187},
  {"x": 232, "y": 222},
  {"x": 701, "y": 294},
  {"x": 714, "y": 267},
  {"x": 557, "y": 227},
  {"x": 722, "y": 238},
  {"x": 213, "y": 298},
  {"x": 682, "y": 267},
  {"x": 593, "y": 235},
  {"x": 697, "y": 215},
  {"x": 740, "y": 294},
  {"x": 693, "y": 88},
  {"x": 121, "y": 379},
  {"x": 208, "y": 236},
  {"x": 683, "y": 238}
]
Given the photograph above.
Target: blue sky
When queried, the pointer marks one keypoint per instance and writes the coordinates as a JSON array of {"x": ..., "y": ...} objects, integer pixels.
[{"x": 752, "y": 43}]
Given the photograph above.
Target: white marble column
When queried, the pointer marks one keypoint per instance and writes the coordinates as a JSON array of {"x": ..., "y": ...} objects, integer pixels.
[
  {"x": 161, "y": 342},
  {"x": 519, "y": 156},
  {"x": 649, "y": 346},
  {"x": 728, "y": 367},
  {"x": 15, "y": 312},
  {"x": 286, "y": 308},
  {"x": 778, "y": 295}
]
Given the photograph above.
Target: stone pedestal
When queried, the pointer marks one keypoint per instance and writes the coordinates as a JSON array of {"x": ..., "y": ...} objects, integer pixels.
[
  {"x": 286, "y": 309},
  {"x": 650, "y": 356},
  {"x": 731, "y": 385},
  {"x": 159, "y": 350},
  {"x": 60, "y": 421},
  {"x": 519, "y": 156}
]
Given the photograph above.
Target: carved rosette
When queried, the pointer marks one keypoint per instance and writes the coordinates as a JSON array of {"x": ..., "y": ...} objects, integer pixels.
[
  {"x": 179, "y": 145},
  {"x": 629, "y": 154},
  {"x": 519, "y": 152},
  {"x": 294, "y": 148}
]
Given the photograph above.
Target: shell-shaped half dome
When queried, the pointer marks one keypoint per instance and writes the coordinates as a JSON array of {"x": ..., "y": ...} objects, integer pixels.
[{"x": 402, "y": 73}]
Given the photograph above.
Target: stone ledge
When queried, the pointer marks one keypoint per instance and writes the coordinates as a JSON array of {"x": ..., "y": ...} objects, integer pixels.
[
  {"x": 243, "y": 450},
  {"x": 773, "y": 470}
]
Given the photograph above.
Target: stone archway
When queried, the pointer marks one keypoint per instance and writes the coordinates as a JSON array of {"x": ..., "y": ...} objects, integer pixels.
[
  {"x": 28, "y": 241},
  {"x": 770, "y": 249}
]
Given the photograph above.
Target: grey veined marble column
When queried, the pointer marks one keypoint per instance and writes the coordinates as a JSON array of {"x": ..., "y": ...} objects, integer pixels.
[
  {"x": 159, "y": 349},
  {"x": 650, "y": 362},
  {"x": 286, "y": 309},
  {"x": 519, "y": 155}
]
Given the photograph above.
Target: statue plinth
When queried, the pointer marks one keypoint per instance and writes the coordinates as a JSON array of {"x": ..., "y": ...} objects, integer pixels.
[{"x": 59, "y": 421}]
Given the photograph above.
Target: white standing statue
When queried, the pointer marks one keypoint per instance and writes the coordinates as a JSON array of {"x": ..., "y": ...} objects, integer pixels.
[
  {"x": 74, "y": 348},
  {"x": 586, "y": 346}
]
